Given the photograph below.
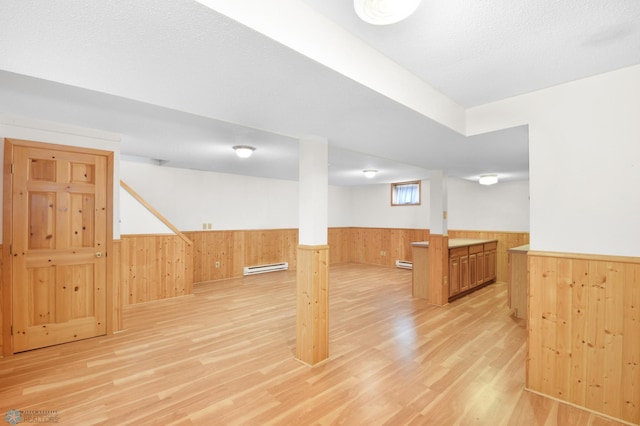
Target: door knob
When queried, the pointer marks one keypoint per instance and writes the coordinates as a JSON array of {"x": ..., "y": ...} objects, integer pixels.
[{"x": 98, "y": 254}]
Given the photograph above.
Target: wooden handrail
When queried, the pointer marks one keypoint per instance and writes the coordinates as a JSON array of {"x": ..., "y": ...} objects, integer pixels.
[{"x": 156, "y": 213}]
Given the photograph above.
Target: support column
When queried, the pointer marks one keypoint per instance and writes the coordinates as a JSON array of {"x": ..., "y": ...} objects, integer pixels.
[
  {"x": 312, "y": 295},
  {"x": 438, "y": 240}
]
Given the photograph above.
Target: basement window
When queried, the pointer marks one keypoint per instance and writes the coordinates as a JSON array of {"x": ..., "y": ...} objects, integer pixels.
[{"x": 405, "y": 193}]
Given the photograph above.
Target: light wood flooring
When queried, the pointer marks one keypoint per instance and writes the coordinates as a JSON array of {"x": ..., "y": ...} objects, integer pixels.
[{"x": 225, "y": 355}]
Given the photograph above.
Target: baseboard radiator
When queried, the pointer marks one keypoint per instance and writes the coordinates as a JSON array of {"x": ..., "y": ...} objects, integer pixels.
[
  {"x": 261, "y": 269},
  {"x": 404, "y": 264}
]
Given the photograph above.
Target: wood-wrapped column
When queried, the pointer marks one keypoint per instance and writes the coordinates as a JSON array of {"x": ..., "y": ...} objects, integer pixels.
[
  {"x": 312, "y": 308},
  {"x": 438, "y": 240}
]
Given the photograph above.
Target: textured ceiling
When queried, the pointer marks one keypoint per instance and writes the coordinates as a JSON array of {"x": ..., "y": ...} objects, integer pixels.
[
  {"x": 182, "y": 83},
  {"x": 478, "y": 52}
]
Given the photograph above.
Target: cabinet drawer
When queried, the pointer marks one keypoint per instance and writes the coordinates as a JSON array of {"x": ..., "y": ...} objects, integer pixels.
[
  {"x": 460, "y": 251},
  {"x": 490, "y": 246},
  {"x": 476, "y": 249}
]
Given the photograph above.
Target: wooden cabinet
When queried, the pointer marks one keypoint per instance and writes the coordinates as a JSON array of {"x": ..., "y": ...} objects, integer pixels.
[
  {"x": 476, "y": 265},
  {"x": 471, "y": 266},
  {"x": 490, "y": 258},
  {"x": 458, "y": 270},
  {"x": 454, "y": 275}
]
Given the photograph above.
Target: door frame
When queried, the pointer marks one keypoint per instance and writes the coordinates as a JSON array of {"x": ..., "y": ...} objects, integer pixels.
[{"x": 6, "y": 289}]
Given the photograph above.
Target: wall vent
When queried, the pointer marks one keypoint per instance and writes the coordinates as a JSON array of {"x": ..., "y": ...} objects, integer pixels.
[
  {"x": 404, "y": 264},
  {"x": 261, "y": 269}
]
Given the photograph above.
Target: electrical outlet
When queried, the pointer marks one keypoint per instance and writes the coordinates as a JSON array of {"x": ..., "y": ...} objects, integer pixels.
[
  {"x": 383, "y": 253},
  {"x": 208, "y": 226},
  {"x": 204, "y": 226},
  {"x": 217, "y": 264}
]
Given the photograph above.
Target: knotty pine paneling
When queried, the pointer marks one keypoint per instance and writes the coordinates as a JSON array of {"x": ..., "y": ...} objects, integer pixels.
[
  {"x": 115, "y": 304},
  {"x": 312, "y": 304},
  {"x": 2, "y": 304},
  {"x": 233, "y": 250},
  {"x": 506, "y": 240},
  {"x": 584, "y": 331},
  {"x": 154, "y": 267},
  {"x": 383, "y": 246},
  {"x": 340, "y": 245}
]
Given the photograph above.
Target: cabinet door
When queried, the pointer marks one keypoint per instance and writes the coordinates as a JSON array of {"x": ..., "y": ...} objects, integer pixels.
[
  {"x": 454, "y": 276},
  {"x": 464, "y": 273},
  {"x": 480, "y": 266},
  {"x": 490, "y": 258},
  {"x": 473, "y": 270}
]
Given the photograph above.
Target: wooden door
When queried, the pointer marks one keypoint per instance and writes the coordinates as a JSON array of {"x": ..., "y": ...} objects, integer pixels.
[{"x": 59, "y": 212}]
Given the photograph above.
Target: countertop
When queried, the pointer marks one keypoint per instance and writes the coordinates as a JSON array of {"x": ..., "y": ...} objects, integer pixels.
[
  {"x": 456, "y": 242},
  {"x": 524, "y": 249}
]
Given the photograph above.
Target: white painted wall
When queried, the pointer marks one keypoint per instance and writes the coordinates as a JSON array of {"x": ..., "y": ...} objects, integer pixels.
[
  {"x": 584, "y": 145},
  {"x": 43, "y": 131},
  {"x": 340, "y": 206},
  {"x": 189, "y": 198},
  {"x": 136, "y": 219},
  {"x": 371, "y": 208},
  {"x": 273, "y": 203},
  {"x": 500, "y": 207}
]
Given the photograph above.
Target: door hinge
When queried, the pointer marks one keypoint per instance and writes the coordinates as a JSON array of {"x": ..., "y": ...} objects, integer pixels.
[
  {"x": 10, "y": 248},
  {"x": 11, "y": 168},
  {"x": 12, "y": 329}
]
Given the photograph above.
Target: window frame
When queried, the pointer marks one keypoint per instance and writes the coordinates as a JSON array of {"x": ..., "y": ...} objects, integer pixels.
[{"x": 394, "y": 187}]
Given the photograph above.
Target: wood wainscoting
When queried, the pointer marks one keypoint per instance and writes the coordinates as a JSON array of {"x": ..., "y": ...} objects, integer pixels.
[
  {"x": 154, "y": 267},
  {"x": 584, "y": 331},
  {"x": 223, "y": 254},
  {"x": 383, "y": 246},
  {"x": 373, "y": 246},
  {"x": 220, "y": 255},
  {"x": 506, "y": 240}
]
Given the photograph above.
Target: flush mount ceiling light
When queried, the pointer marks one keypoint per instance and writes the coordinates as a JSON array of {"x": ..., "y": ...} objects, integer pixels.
[
  {"x": 488, "y": 179},
  {"x": 384, "y": 12},
  {"x": 370, "y": 173},
  {"x": 244, "y": 151}
]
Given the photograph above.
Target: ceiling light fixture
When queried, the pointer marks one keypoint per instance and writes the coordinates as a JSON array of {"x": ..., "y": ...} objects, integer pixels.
[
  {"x": 370, "y": 173},
  {"x": 244, "y": 151},
  {"x": 384, "y": 12},
  {"x": 488, "y": 179}
]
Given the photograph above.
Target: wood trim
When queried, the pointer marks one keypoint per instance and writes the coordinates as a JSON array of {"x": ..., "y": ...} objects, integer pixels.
[
  {"x": 58, "y": 147},
  {"x": 410, "y": 182},
  {"x": 6, "y": 292},
  {"x": 115, "y": 298},
  {"x": 598, "y": 257},
  {"x": 308, "y": 247},
  {"x": 113, "y": 309},
  {"x": 153, "y": 211}
]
